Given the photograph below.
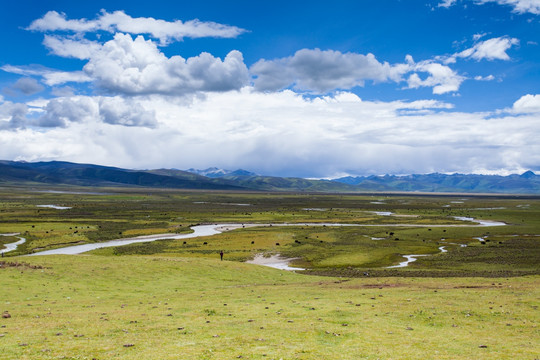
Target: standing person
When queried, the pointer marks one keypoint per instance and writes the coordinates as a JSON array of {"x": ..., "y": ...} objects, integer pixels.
[{"x": 221, "y": 254}]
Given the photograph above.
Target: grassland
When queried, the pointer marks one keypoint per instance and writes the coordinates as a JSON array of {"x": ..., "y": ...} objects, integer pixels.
[{"x": 170, "y": 300}]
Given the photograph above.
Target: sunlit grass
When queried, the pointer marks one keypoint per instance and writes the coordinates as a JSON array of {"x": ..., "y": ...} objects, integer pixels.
[{"x": 166, "y": 308}]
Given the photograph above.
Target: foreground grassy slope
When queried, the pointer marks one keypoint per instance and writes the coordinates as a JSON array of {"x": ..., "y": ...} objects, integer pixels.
[{"x": 93, "y": 307}]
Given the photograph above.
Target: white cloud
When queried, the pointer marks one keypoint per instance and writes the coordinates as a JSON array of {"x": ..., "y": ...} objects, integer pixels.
[
  {"x": 143, "y": 122},
  {"x": 119, "y": 21},
  {"x": 50, "y": 77},
  {"x": 128, "y": 66},
  {"x": 63, "y": 91},
  {"x": 527, "y": 104},
  {"x": 447, "y": 3},
  {"x": 71, "y": 48},
  {"x": 284, "y": 133},
  {"x": 26, "y": 86},
  {"x": 54, "y": 21},
  {"x": 115, "y": 110},
  {"x": 124, "y": 65},
  {"x": 12, "y": 115},
  {"x": 62, "y": 111},
  {"x": 484, "y": 78},
  {"x": 492, "y": 49},
  {"x": 53, "y": 78},
  {"x": 321, "y": 71},
  {"x": 65, "y": 111},
  {"x": 136, "y": 66},
  {"x": 520, "y": 6},
  {"x": 477, "y": 37},
  {"x": 441, "y": 78}
]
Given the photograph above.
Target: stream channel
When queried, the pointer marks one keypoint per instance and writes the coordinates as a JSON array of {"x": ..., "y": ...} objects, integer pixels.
[{"x": 213, "y": 229}]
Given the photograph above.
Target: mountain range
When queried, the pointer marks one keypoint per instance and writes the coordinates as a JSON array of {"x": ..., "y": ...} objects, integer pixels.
[
  {"x": 66, "y": 173},
  {"x": 214, "y": 172}
]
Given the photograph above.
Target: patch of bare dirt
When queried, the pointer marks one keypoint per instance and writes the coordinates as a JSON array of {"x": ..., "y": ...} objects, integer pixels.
[{"x": 6, "y": 264}]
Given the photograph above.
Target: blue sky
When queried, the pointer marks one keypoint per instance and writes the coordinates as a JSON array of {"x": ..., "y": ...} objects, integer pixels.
[{"x": 288, "y": 88}]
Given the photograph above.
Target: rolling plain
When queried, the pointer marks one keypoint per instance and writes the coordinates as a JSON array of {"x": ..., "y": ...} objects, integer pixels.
[{"x": 477, "y": 297}]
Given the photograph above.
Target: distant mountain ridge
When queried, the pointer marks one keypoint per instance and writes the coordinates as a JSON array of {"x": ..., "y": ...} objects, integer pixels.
[
  {"x": 214, "y": 172},
  {"x": 526, "y": 183},
  {"x": 58, "y": 172}
]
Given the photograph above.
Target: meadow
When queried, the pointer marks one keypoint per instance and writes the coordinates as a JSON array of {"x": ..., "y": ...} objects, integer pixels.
[{"x": 173, "y": 300}]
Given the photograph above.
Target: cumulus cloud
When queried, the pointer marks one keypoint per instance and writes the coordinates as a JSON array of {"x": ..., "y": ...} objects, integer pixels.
[
  {"x": 440, "y": 77},
  {"x": 119, "y": 21},
  {"x": 118, "y": 111},
  {"x": 132, "y": 66},
  {"x": 126, "y": 65},
  {"x": 62, "y": 111},
  {"x": 491, "y": 49},
  {"x": 241, "y": 120},
  {"x": 527, "y": 104},
  {"x": 12, "y": 115},
  {"x": 320, "y": 71},
  {"x": 137, "y": 66},
  {"x": 27, "y": 86},
  {"x": 519, "y": 6}
]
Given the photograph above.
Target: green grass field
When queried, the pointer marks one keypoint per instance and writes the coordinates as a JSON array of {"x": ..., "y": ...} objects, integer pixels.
[
  {"x": 170, "y": 300},
  {"x": 86, "y": 307}
]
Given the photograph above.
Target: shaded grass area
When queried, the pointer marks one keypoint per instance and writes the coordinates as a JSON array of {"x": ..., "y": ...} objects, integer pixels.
[{"x": 88, "y": 307}]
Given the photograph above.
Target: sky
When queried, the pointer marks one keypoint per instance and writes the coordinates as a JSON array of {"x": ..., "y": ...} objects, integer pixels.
[{"x": 313, "y": 89}]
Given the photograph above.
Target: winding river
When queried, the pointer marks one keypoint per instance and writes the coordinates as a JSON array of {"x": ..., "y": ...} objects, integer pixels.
[
  {"x": 198, "y": 231},
  {"x": 412, "y": 258},
  {"x": 12, "y": 246},
  {"x": 213, "y": 229}
]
